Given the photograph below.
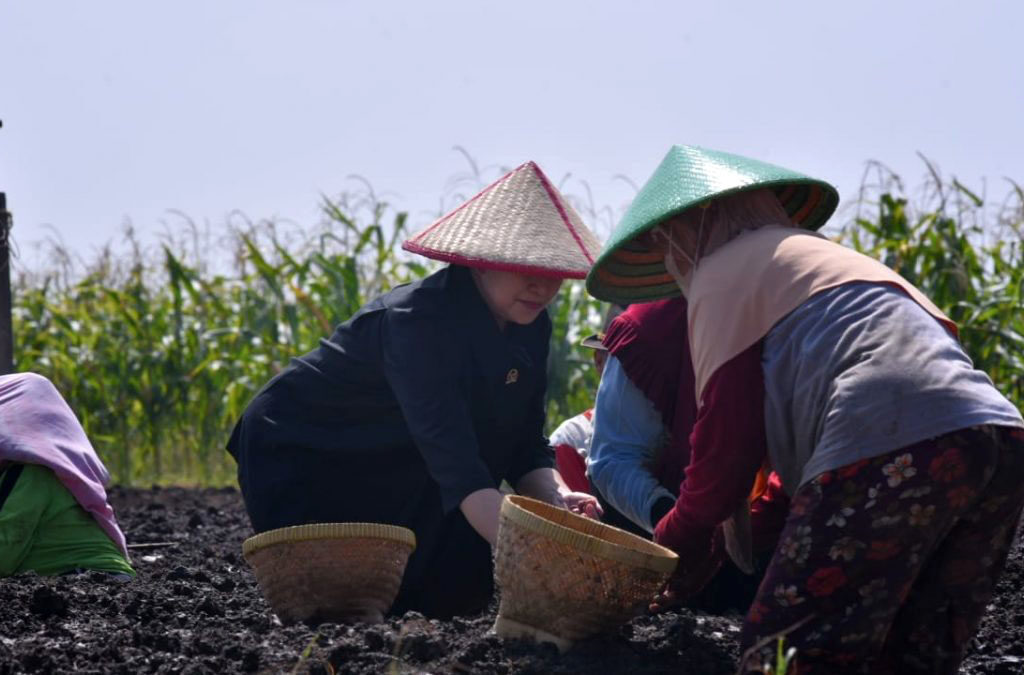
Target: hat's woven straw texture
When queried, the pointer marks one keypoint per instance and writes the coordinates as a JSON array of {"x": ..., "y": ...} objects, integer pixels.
[
  {"x": 521, "y": 223},
  {"x": 627, "y": 271},
  {"x": 564, "y": 577},
  {"x": 330, "y": 571}
]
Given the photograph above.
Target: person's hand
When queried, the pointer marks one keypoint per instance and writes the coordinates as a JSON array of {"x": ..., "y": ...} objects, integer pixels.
[
  {"x": 582, "y": 504},
  {"x": 696, "y": 568},
  {"x": 546, "y": 484}
]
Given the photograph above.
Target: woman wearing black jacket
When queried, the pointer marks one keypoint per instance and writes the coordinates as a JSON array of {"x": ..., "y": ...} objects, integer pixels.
[{"x": 418, "y": 406}]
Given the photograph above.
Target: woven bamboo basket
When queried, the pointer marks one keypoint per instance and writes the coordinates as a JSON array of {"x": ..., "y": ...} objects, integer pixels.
[
  {"x": 330, "y": 572},
  {"x": 564, "y": 577}
]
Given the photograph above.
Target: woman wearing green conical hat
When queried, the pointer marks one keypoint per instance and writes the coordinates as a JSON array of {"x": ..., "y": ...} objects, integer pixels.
[{"x": 904, "y": 465}]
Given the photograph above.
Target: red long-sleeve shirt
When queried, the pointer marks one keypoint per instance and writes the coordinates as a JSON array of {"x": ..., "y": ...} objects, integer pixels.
[{"x": 727, "y": 448}]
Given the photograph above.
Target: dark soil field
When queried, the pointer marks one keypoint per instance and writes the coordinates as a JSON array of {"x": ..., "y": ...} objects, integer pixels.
[{"x": 195, "y": 608}]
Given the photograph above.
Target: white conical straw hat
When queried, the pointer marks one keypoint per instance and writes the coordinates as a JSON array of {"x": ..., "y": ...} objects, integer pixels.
[{"x": 521, "y": 223}]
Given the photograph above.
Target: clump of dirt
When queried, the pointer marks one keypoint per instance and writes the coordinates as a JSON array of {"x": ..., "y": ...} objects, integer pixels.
[{"x": 195, "y": 608}]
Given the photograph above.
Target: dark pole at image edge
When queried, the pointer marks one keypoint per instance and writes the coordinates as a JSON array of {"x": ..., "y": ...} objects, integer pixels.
[{"x": 6, "y": 327}]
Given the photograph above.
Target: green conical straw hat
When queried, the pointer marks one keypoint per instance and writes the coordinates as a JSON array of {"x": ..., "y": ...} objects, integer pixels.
[{"x": 627, "y": 272}]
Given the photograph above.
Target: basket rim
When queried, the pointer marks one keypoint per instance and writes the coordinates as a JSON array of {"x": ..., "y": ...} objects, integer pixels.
[
  {"x": 647, "y": 554},
  {"x": 315, "y": 531}
]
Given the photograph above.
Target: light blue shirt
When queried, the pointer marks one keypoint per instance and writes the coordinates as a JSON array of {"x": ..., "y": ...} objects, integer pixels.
[{"x": 628, "y": 432}]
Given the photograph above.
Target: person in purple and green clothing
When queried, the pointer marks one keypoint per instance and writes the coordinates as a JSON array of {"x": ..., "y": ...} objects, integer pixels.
[
  {"x": 904, "y": 464},
  {"x": 54, "y": 514}
]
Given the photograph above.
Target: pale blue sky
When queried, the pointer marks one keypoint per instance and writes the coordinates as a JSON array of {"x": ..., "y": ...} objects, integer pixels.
[{"x": 118, "y": 111}]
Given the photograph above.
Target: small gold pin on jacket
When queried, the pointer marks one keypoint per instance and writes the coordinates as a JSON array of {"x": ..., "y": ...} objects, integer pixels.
[{"x": 512, "y": 376}]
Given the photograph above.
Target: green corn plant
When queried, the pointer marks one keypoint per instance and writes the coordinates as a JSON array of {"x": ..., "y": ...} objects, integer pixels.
[
  {"x": 784, "y": 658},
  {"x": 158, "y": 355},
  {"x": 159, "y": 348},
  {"x": 966, "y": 257}
]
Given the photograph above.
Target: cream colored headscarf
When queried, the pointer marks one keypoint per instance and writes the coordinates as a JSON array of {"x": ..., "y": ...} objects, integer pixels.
[{"x": 698, "y": 232}]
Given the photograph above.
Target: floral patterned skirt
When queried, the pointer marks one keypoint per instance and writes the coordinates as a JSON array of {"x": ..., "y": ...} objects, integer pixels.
[{"x": 886, "y": 565}]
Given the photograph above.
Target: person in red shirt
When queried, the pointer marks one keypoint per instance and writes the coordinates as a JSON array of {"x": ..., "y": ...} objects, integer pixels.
[
  {"x": 644, "y": 343},
  {"x": 645, "y": 415}
]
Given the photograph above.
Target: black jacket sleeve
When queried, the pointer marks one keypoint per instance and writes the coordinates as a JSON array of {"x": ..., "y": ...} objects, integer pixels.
[
  {"x": 535, "y": 451},
  {"x": 422, "y": 363}
]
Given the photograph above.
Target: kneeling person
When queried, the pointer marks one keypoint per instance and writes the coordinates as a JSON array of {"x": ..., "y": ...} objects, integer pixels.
[
  {"x": 416, "y": 408},
  {"x": 54, "y": 515}
]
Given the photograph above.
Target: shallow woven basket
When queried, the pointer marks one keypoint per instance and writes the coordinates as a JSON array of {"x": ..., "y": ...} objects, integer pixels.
[
  {"x": 564, "y": 577},
  {"x": 330, "y": 572}
]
